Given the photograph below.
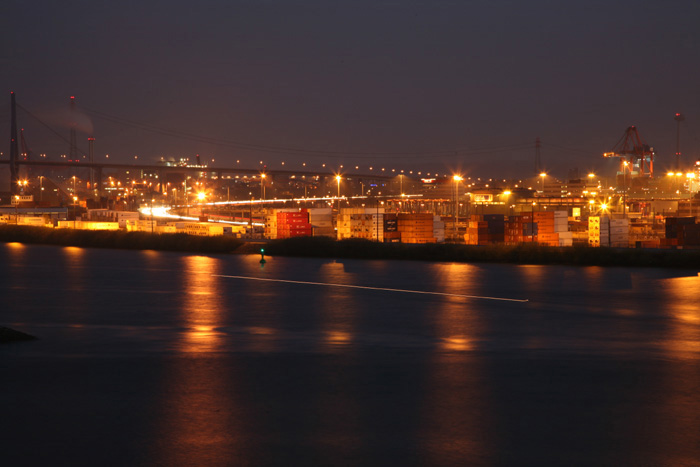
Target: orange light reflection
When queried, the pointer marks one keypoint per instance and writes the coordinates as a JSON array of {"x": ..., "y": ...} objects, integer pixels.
[
  {"x": 202, "y": 305},
  {"x": 455, "y": 379},
  {"x": 682, "y": 304},
  {"x": 198, "y": 418}
]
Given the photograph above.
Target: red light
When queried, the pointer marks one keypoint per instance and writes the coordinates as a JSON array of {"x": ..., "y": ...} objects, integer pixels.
[{"x": 72, "y": 97}]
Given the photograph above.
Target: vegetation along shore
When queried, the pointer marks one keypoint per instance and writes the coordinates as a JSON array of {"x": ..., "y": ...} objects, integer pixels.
[{"x": 356, "y": 248}]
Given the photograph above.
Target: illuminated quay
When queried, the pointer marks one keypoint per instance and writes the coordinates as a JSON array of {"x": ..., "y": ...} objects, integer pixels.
[{"x": 377, "y": 204}]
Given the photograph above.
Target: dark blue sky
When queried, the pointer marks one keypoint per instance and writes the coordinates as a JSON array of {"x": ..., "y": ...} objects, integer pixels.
[{"x": 422, "y": 85}]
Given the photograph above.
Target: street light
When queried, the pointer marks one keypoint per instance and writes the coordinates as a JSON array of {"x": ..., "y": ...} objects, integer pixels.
[
  {"x": 337, "y": 179},
  {"x": 456, "y": 179},
  {"x": 591, "y": 176},
  {"x": 691, "y": 177},
  {"x": 542, "y": 175},
  {"x": 152, "y": 200},
  {"x": 507, "y": 194},
  {"x": 75, "y": 204}
]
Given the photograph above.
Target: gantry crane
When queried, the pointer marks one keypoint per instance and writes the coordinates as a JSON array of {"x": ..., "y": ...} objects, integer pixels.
[{"x": 634, "y": 154}]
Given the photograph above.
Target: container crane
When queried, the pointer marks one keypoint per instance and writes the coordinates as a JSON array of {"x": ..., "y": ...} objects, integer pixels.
[{"x": 633, "y": 153}]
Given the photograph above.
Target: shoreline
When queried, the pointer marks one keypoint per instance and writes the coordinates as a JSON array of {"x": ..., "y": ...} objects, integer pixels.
[{"x": 326, "y": 247}]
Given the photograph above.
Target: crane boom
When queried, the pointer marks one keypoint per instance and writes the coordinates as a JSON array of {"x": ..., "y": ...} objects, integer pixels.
[{"x": 632, "y": 150}]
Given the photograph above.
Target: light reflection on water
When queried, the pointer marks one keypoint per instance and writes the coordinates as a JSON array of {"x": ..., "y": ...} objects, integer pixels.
[
  {"x": 457, "y": 325},
  {"x": 336, "y": 307},
  {"x": 451, "y": 392},
  {"x": 682, "y": 303},
  {"x": 196, "y": 423},
  {"x": 202, "y": 307},
  {"x": 598, "y": 361}
]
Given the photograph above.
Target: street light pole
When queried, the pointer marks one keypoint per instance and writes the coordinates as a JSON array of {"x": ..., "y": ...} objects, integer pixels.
[
  {"x": 187, "y": 200},
  {"x": 624, "y": 187},
  {"x": 456, "y": 179},
  {"x": 75, "y": 202},
  {"x": 250, "y": 222},
  {"x": 262, "y": 186},
  {"x": 337, "y": 179},
  {"x": 542, "y": 176}
]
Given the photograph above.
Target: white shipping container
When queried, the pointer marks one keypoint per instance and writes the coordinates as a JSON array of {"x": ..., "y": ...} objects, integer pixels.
[{"x": 320, "y": 211}]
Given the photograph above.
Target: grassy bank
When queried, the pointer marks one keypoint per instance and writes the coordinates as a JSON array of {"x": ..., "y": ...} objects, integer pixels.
[
  {"x": 118, "y": 239},
  {"x": 360, "y": 249},
  {"x": 518, "y": 254}
]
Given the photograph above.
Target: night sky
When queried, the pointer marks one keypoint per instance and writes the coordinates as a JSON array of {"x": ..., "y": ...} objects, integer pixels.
[{"x": 437, "y": 86}]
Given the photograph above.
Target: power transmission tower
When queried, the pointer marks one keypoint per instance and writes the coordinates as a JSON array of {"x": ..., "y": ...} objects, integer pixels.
[{"x": 678, "y": 118}]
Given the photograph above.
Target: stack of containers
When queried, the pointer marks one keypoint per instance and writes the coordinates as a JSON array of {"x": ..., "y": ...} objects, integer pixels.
[
  {"x": 620, "y": 233},
  {"x": 496, "y": 224},
  {"x": 271, "y": 221},
  {"x": 689, "y": 236},
  {"x": 293, "y": 224},
  {"x": 486, "y": 229},
  {"x": 598, "y": 231},
  {"x": 271, "y": 225},
  {"x": 449, "y": 222},
  {"x": 367, "y": 226},
  {"x": 321, "y": 220},
  {"x": 656, "y": 243},
  {"x": 546, "y": 235},
  {"x": 477, "y": 230},
  {"x": 513, "y": 232},
  {"x": 416, "y": 228},
  {"x": 391, "y": 228},
  {"x": 675, "y": 230},
  {"x": 566, "y": 238},
  {"x": 530, "y": 229},
  {"x": 343, "y": 222},
  {"x": 579, "y": 231},
  {"x": 438, "y": 229},
  {"x": 360, "y": 223},
  {"x": 561, "y": 227},
  {"x": 520, "y": 229}
]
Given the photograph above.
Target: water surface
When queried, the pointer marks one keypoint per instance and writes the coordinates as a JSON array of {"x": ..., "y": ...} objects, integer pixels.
[{"x": 154, "y": 358}]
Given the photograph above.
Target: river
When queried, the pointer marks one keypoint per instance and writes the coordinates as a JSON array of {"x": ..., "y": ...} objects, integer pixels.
[{"x": 157, "y": 358}]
